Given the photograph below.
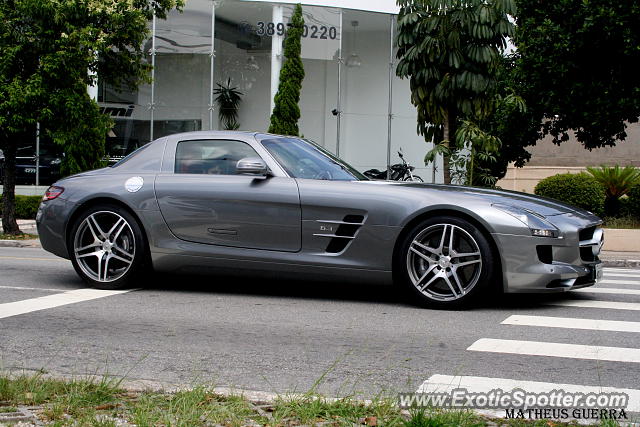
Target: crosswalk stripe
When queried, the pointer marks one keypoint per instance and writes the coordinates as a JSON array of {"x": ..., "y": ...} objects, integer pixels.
[
  {"x": 51, "y": 301},
  {"x": 448, "y": 383},
  {"x": 552, "y": 349},
  {"x": 613, "y": 305},
  {"x": 619, "y": 282},
  {"x": 623, "y": 271},
  {"x": 609, "y": 291},
  {"x": 572, "y": 323},
  {"x": 624, "y": 275}
]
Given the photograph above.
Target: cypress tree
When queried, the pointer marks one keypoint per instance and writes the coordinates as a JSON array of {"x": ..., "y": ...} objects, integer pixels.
[{"x": 286, "y": 112}]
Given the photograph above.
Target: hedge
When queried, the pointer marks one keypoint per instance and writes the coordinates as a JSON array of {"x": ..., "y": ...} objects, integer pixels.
[
  {"x": 632, "y": 203},
  {"x": 26, "y": 206},
  {"x": 580, "y": 190}
]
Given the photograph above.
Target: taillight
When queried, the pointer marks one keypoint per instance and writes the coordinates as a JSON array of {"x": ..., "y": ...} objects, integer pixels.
[{"x": 52, "y": 193}]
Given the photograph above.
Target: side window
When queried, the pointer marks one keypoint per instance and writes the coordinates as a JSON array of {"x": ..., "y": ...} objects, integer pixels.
[{"x": 213, "y": 157}]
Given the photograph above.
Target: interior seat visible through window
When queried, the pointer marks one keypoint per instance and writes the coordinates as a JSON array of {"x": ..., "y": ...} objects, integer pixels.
[{"x": 212, "y": 157}]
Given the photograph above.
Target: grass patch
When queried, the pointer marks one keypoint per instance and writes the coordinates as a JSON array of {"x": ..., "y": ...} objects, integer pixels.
[
  {"x": 101, "y": 402},
  {"x": 23, "y": 236},
  {"x": 622, "y": 222},
  {"x": 312, "y": 408}
]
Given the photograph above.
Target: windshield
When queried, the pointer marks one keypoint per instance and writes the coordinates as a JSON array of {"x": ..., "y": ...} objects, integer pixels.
[{"x": 304, "y": 159}]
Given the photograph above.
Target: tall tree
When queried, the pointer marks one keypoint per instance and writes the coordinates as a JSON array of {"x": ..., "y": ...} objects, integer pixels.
[
  {"x": 449, "y": 49},
  {"x": 578, "y": 67},
  {"x": 286, "y": 111},
  {"x": 50, "y": 51}
]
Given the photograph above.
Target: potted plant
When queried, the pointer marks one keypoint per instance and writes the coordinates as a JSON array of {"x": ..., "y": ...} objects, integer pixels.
[{"x": 228, "y": 99}]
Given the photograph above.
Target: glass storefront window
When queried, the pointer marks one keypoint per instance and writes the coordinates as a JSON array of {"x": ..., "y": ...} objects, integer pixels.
[
  {"x": 183, "y": 70},
  {"x": 243, "y": 57},
  {"x": 346, "y": 105}
]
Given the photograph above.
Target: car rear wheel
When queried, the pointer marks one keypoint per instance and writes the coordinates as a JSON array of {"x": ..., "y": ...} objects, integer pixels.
[
  {"x": 445, "y": 262},
  {"x": 108, "y": 248}
]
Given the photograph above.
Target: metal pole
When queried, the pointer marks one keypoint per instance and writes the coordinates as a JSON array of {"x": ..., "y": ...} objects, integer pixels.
[
  {"x": 390, "y": 119},
  {"x": 433, "y": 166},
  {"x": 212, "y": 56},
  {"x": 339, "y": 103},
  {"x": 37, "y": 154},
  {"x": 152, "y": 104}
]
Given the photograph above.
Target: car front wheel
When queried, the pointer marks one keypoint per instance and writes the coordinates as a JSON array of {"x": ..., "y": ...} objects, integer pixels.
[
  {"x": 108, "y": 248},
  {"x": 445, "y": 262}
]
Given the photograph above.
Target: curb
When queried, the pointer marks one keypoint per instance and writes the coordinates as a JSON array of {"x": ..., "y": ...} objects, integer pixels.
[{"x": 20, "y": 243}]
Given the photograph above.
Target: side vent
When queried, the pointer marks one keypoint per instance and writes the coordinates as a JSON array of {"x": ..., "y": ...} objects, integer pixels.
[{"x": 341, "y": 233}]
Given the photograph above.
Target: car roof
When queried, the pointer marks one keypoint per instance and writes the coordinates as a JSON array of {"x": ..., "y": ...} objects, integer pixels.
[{"x": 226, "y": 133}]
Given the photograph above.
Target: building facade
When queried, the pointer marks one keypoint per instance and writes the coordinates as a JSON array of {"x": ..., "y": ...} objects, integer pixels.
[{"x": 351, "y": 103}]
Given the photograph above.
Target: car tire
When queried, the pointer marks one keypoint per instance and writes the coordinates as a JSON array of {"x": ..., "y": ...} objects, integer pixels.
[
  {"x": 444, "y": 262},
  {"x": 107, "y": 247}
]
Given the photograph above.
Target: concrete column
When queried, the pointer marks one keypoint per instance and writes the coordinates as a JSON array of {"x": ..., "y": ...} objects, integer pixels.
[{"x": 276, "y": 53}]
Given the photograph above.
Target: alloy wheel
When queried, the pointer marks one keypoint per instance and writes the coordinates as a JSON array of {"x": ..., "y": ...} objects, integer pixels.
[
  {"x": 104, "y": 246},
  {"x": 444, "y": 262}
]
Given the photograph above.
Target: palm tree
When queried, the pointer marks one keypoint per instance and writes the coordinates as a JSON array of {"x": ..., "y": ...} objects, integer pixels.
[
  {"x": 617, "y": 182},
  {"x": 450, "y": 50}
]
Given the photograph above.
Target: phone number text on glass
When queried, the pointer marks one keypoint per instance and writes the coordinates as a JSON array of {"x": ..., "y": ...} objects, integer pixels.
[{"x": 312, "y": 31}]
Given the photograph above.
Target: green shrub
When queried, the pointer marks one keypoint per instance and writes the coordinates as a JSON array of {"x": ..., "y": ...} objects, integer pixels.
[
  {"x": 632, "y": 203},
  {"x": 26, "y": 206},
  {"x": 580, "y": 190}
]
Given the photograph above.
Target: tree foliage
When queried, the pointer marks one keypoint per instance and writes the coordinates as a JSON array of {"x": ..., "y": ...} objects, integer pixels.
[
  {"x": 617, "y": 182},
  {"x": 450, "y": 49},
  {"x": 578, "y": 67},
  {"x": 50, "y": 51},
  {"x": 286, "y": 112}
]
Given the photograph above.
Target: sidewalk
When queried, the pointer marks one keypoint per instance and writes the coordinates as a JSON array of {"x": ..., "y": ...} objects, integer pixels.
[{"x": 609, "y": 258}]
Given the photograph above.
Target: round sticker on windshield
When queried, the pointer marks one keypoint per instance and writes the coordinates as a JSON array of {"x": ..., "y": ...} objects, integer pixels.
[{"x": 134, "y": 184}]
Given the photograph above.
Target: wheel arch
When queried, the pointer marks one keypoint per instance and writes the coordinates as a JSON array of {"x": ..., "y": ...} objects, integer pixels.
[
  {"x": 481, "y": 225},
  {"x": 96, "y": 201}
]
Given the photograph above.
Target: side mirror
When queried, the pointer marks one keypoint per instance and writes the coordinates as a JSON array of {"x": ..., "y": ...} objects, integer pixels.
[{"x": 252, "y": 166}]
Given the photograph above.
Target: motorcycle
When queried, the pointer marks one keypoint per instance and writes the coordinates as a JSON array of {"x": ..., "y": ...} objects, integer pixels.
[{"x": 398, "y": 172}]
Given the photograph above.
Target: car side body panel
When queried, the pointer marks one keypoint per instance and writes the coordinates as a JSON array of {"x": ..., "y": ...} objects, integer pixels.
[{"x": 316, "y": 228}]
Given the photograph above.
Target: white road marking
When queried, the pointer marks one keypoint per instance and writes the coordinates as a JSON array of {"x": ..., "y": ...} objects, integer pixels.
[
  {"x": 447, "y": 383},
  {"x": 552, "y": 349},
  {"x": 572, "y": 323},
  {"x": 619, "y": 282},
  {"x": 625, "y": 271},
  {"x": 613, "y": 305},
  {"x": 609, "y": 291},
  {"x": 632, "y": 276},
  {"x": 51, "y": 301}
]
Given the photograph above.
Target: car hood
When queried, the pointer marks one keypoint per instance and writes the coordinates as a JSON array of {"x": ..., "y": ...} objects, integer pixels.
[{"x": 541, "y": 205}]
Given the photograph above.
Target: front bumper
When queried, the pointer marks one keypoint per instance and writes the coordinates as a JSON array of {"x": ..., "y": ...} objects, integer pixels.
[{"x": 534, "y": 264}]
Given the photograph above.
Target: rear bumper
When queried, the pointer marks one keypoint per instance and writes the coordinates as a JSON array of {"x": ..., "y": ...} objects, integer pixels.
[{"x": 51, "y": 222}]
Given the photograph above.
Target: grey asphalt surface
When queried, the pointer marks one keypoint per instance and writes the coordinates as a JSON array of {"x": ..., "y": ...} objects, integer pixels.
[{"x": 278, "y": 336}]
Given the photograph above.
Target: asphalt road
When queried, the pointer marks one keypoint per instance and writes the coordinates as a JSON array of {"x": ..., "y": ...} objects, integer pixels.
[{"x": 259, "y": 334}]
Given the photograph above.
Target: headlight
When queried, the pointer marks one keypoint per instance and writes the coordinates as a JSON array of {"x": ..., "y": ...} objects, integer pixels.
[
  {"x": 56, "y": 161},
  {"x": 538, "y": 225}
]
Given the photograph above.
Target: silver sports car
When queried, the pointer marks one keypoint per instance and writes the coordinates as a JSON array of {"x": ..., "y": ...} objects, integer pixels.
[{"x": 251, "y": 202}]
